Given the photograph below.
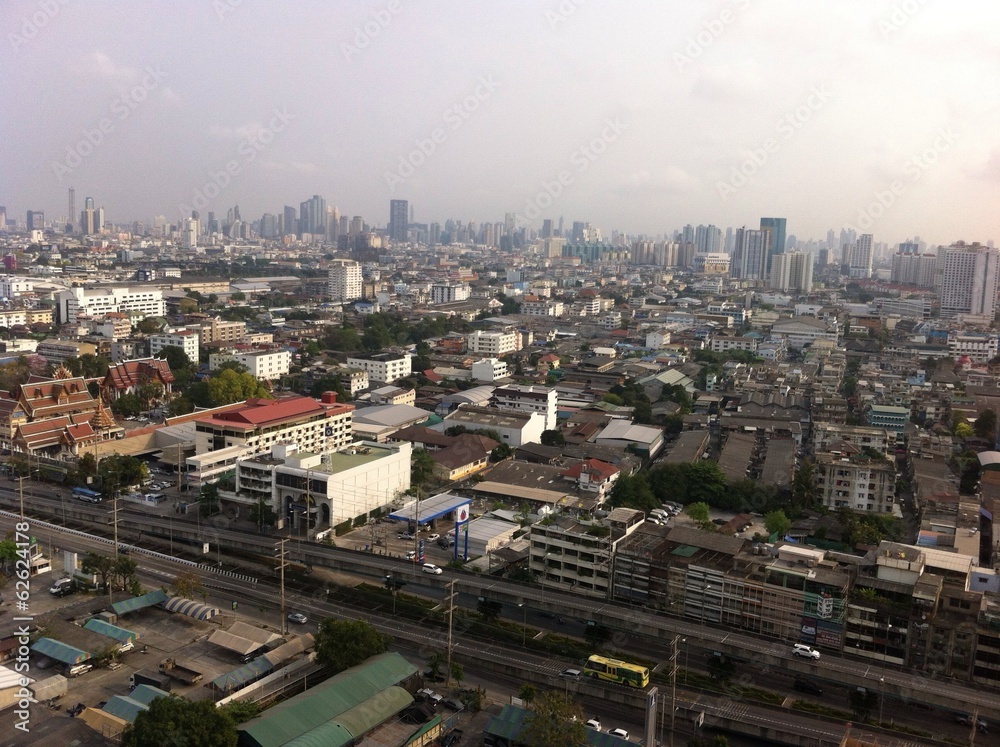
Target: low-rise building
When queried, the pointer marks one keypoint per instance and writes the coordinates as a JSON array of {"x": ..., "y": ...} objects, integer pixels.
[
  {"x": 385, "y": 368},
  {"x": 265, "y": 365},
  {"x": 514, "y": 428},
  {"x": 848, "y": 478},
  {"x": 185, "y": 339},
  {"x": 540, "y": 399},
  {"x": 493, "y": 343}
]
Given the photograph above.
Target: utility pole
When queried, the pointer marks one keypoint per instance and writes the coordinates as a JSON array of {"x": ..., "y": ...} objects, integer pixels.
[
  {"x": 281, "y": 565},
  {"x": 20, "y": 490},
  {"x": 674, "y": 645},
  {"x": 451, "y": 617}
]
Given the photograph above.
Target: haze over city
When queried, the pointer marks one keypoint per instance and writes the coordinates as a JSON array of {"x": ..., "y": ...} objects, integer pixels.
[{"x": 638, "y": 118}]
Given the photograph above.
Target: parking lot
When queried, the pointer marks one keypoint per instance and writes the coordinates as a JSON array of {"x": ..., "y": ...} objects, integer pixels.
[{"x": 388, "y": 538}]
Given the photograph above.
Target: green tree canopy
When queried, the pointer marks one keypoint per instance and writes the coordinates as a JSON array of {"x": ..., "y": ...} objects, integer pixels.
[
  {"x": 554, "y": 720},
  {"x": 986, "y": 424},
  {"x": 553, "y": 438},
  {"x": 776, "y": 521},
  {"x": 421, "y": 467},
  {"x": 341, "y": 644},
  {"x": 179, "y": 722},
  {"x": 228, "y": 386},
  {"x": 698, "y": 512}
]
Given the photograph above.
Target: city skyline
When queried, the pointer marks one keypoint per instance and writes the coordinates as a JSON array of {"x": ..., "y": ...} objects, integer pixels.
[{"x": 875, "y": 117}]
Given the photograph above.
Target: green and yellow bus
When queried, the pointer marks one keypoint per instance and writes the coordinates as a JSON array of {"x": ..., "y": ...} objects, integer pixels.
[{"x": 613, "y": 670}]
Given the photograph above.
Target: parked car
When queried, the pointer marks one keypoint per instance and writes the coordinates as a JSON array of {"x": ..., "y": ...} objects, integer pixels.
[
  {"x": 411, "y": 555},
  {"x": 298, "y": 617},
  {"x": 806, "y": 652},
  {"x": 594, "y": 723},
  {"x": 807, "y": 686},
  {"x": 617, "y": 732},
  {"x": 404, "y": 536}
]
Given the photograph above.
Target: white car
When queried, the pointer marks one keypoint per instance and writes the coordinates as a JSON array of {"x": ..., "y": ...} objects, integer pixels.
[
  {"x": 806, "y": 652},
  {"x": 618, "y": 733},
  {"x": 432, "y": 569},
  {"x": 594, "y": 723},
  {"x": 573, "y": 674},
  {"x": 434, "y": 538}
]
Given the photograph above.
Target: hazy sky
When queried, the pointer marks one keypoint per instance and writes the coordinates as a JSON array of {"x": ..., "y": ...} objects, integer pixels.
[{"x": 636, "y": 116}]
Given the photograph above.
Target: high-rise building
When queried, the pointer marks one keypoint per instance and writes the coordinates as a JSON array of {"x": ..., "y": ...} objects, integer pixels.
[
  {"x": 289, "y": 225},
  {"x": 344, "y": 280},
  {"x": 269, "y": 226},
  {"x": 71, "y": 215},
  {"x": 860, "y": 257},
  {"x": 969, "y": 281},
  {"x": 189, "y": 233},
  {"x": 707, "y": 239},
  {"x": 749, "y": 261},
  {"x": 791, "y": 272},
  {"x": 399, "y": 220},
  {"x": 777, "y": 228},
  {"x": 546, "y": 229},
  {"x": 914, "y": 269},
  {"x": 312, "y": 216},
  {"x": 36, "y": 220}
]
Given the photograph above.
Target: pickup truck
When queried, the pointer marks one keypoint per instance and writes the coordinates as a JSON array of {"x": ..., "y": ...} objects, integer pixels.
[{"x": 187, "y": 675}]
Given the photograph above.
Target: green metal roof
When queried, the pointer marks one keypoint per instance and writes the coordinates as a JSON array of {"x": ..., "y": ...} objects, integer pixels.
[
  {"x": 137, "y": 603},
  {"x": 511, "y": 720},
  {"x": 59, "y": 651},
  {"x": 343, "y": 699},
  {"x": 356, "y": 722},
  {"x": 129, "y": 706},
  {"x": 237, "y": 678},
  {"x": 103, "y": 627}
]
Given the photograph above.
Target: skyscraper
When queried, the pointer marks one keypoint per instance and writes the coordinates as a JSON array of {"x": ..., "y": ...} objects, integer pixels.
[
  {"x": 312, "y": 216},
  {"x": 36, "y": 220},
  {"x": 546, "y": 229},
  {"x": 970, "y": 280},
  {"x": 399, "y": 216},
  {"x": 71, "y": 215},
  {"x": 791, "y": 271},
  {"x": 749, "y": 260},
  {"x": 344, "y": 280},
  {"x": 777, "y": 228},
  {"x": 860, "y": 257}
]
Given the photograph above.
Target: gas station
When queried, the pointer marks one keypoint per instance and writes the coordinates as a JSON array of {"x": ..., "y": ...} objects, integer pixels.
[{"x": 455, "y": 509}]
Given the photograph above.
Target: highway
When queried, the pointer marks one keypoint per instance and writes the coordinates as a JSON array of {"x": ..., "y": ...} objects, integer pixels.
[{"x": 761, "y": 654}]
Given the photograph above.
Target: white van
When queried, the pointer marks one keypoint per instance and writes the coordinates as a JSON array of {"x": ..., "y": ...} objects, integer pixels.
[
  {"x": 659, "y": 513},
  {"x": 77, "y": 669}
]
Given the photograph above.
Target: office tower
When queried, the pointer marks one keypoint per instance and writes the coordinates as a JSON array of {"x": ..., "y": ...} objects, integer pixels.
[
  {"x": 3, "y": 217},
  {"x": 687, "y": 235},
  {"x": 823, "y": 258},
  {"x": 71, "y": 215},
  {"x": 831, "y": 240},
  {"x": 189, "y": 233},
  {"x": 312, "y": 216},
  {"x": 268, "y": 226},
  {"x": 777, "y": 228},
  {"x": 332, "y": 223},
  {"x": 707, "y": 239},
  {"x": 435, "y": 234},
  {"x": 909, "y": 247},
  {"x": 399, "y": 215},
  {"x": 749, "y": 260},
  {"x": 914, "y": 269},
  {"x": 546, "y": 229},
  {"x": 728, "y": 245},
  {"x": 577, "y": 231},
  {"x": 289, "y": 225},
  {"x": 969, "y": 280},
  {"x": 791, "y": 272},
  {"x": 99, "y": 219},
  {"x": 860, "y": 257},
  {"x": 36, "y": 220},
  {"x": 344, "y": 280},
  {"x": 160, "y": 227},
  {"x": 509, "y": 224},
  {"x": 213, "y": 226}
]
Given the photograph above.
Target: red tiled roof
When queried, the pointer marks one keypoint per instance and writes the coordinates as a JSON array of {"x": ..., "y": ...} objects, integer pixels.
[
  {"x": 597, "y": 468},
  {"x": 54, "y": 396},
  {"x": 264, "y": 412},
  {"x": 128, "y": 373}
]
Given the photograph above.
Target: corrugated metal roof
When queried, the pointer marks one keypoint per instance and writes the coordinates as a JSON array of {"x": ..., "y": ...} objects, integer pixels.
[
  {"x": 159, "y": 596},
  {"x": 146, "y": 694},
  {"x": 328, "y": 701},
  {"x": 252, "y": 632},
  {"x": 103, "y": 627},
  {"x": 232, "y": 642},
  {"x": 59, "y": 651},
  {"x": 288, "y": 650},
  {"x": 357, "y": 721},
  {"x": 124, "y": 707},
  {"x": 241, "y": 676},
  {"x": 190, "y": 608}
]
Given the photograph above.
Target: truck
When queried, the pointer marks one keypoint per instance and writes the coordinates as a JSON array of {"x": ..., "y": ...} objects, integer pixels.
[
  {"x": 187, "y": 675},
  {"x": 145, "y": 677}
]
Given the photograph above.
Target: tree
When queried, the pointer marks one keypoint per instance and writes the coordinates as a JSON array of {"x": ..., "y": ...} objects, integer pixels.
[
  {"x": 208, "y": 499},
  {"x": 262, "y": 514},
  {"x": 862, "y": 702},
  {"x": 241, "y": 710},
  {"x": 181, "y": 723},
  {"x": 187, "y": 585},
  {"x": 698, "y": 512},
  {"x": 527, "y": 692},
  {"x": 986, "y": 425},
  {"x": 149, "y": 325},
  {"x": 434, "y": 663},
  {"x": 963, "y": 430},
  {"x": 489, "y": 610},
  {"x": 228, "y": 387},
  {"x": 500, "y": 452},
  {"x": 777, "y": 522},
  {"x": 99, "y": 565},
  {"x": 127, "y": 406},
  {"x": 175, "y": 357},
  {"x": 124, "y": 571},
  {"x": 554, "y": 720},
  {"x": 457, "y": 673},
  {"x": 238, "y": 296},
  {"x": 553, "y": 438},
  {"x": 341, "y": 644},
  {"x": 421, "y": 467},
  {"x": 804, "y": 490}
]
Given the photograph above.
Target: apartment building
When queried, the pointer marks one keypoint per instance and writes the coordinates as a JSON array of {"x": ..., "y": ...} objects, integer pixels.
[
  {"x": 725, "y": 343},
  {"x": 344, "y": 280},
  {"x": 26, "y": 317},
  {"x": 847, "y": 478},
  {"x": 185, "y": 339},
  {"x": 216, "y": 330},
  {"x": 449, "y": 292},
  {"x": 514, "y": 428},
  {"x": 546, "y": 307},
  {"x": 264, "y": 365},
  {"x": 494, "y": 343},
  {"x": 57, "y": 351},
  {"x": 979, "y": 348},
  {"x": 385, "y": 368},
  {"x": 98, "y": 301},
  {"x": 827, "y": 435},
  {"x": 578, "y": 557},
  {"x": 540, "y": 399}
]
